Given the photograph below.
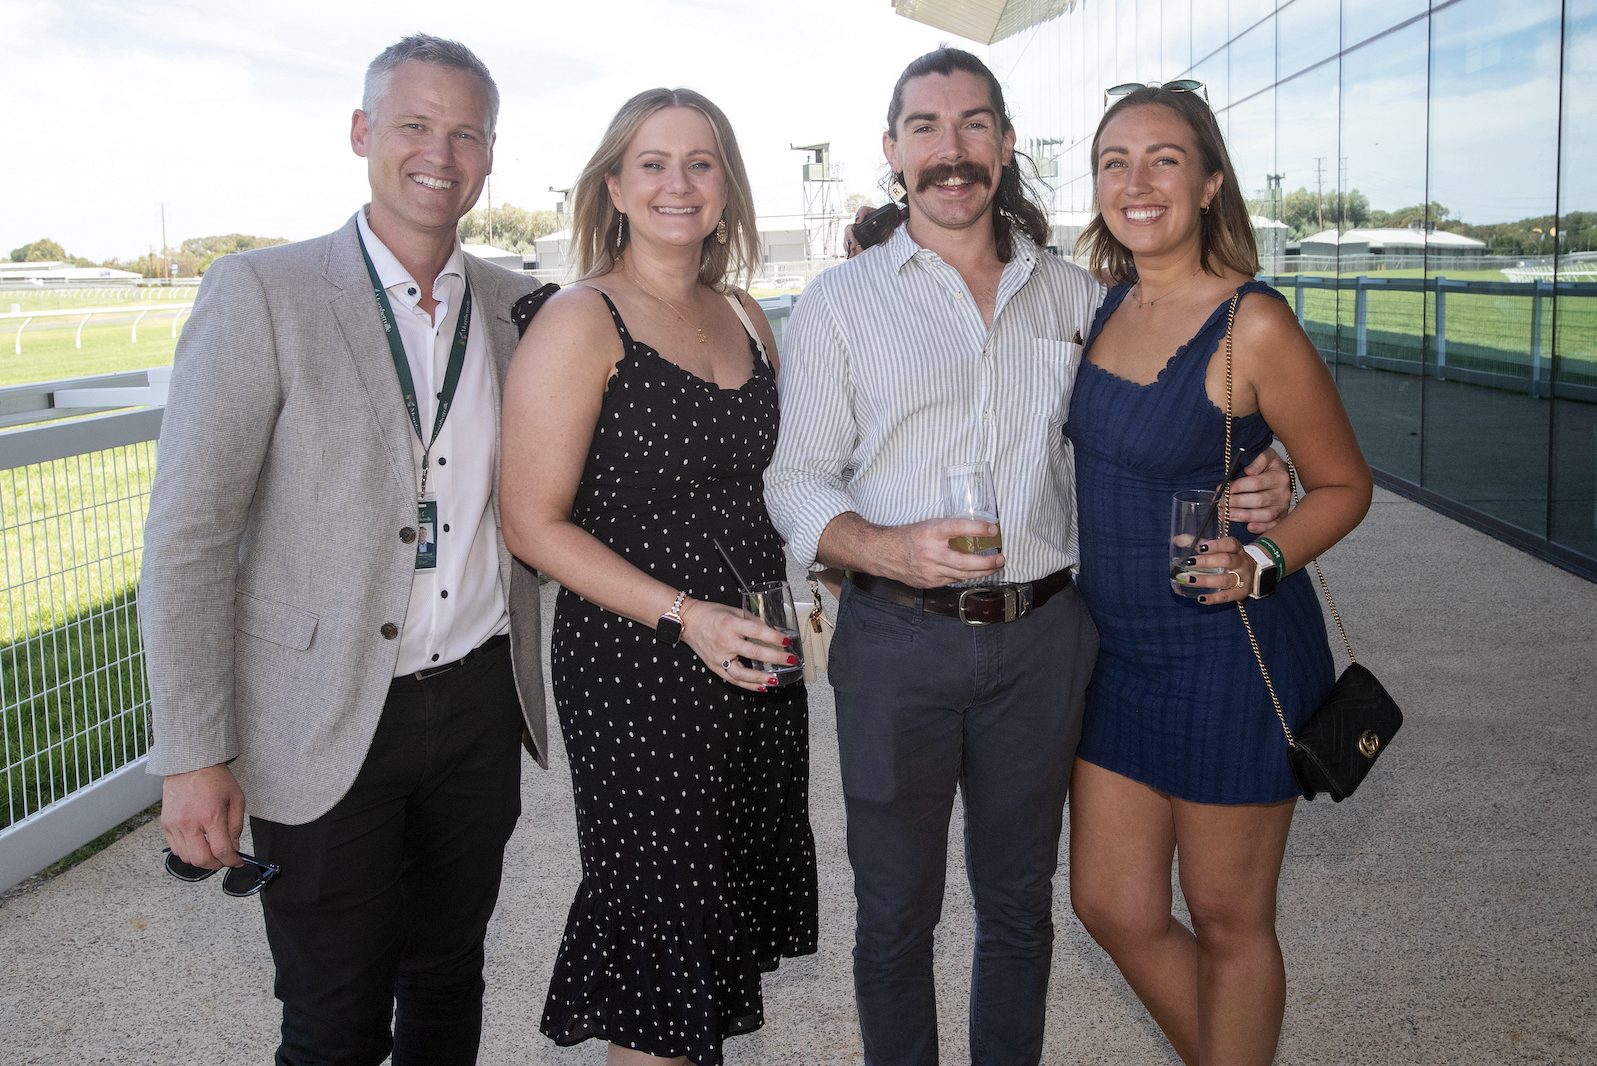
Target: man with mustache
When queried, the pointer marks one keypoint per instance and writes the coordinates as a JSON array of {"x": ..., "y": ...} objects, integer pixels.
[{"x": 955, "y": 340}]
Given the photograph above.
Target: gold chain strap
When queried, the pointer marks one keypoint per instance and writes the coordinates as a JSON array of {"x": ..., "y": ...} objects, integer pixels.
[
  {"x": 1292, "y": 483},
  {"x": 816, "y": 613}
]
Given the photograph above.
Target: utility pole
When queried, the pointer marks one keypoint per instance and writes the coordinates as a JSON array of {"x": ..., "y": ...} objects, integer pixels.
[
  {"x": 1273, "y": 181},
  {"x": 490, "y": 187},
  {"x": 1319, "y": 191},
  {"x": 166, "y": 258}
]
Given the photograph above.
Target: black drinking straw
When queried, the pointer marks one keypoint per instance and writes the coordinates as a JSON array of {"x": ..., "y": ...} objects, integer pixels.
[{"x": 730, "y": 565}]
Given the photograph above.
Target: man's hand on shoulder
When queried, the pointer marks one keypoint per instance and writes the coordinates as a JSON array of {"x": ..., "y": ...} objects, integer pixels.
[
  {"x": 202, "y": 816},
  {"x": 1263, "y": 495}
]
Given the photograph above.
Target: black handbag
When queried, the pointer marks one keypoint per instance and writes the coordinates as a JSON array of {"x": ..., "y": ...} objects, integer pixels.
[{"x": 1334, "y": 750}]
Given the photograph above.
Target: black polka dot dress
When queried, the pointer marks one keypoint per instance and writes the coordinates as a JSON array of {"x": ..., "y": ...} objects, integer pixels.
[{"x": 698, "y": 866}]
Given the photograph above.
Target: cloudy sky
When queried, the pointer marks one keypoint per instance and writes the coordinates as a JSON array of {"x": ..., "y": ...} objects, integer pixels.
[{"x": 236, "y": 116}]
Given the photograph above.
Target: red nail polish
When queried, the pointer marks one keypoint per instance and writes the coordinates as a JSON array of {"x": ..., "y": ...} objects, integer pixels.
[
  {"x": 792, "y": 660},
  {"x": 787, "y": 642},
  {"x": 760, "y": 689},
  {"x": 771, "y": 681}
]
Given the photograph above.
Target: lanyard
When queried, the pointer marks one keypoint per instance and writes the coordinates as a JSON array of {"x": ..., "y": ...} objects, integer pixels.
[{"x": 407, "y": 384}]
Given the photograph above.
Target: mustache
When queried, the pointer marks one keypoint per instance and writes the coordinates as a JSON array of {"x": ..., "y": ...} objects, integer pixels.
[{"x": 964, "y": 170}]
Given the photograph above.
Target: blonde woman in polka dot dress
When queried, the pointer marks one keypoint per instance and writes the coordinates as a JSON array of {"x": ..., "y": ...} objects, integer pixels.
[{"x": 640, "y": 413}]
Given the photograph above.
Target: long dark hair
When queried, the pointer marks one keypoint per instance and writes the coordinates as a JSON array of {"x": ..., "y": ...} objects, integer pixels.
[
  {"x": 1015, "y": 204},
  {"x": 1225, "y": 231}
]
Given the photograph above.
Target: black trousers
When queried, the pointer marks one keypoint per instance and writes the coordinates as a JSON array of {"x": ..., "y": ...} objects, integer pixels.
[{"x": 376, "y": 924}]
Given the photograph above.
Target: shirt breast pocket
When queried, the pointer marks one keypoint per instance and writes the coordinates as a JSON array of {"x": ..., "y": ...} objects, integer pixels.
[{"x": 1054, "y": 365}]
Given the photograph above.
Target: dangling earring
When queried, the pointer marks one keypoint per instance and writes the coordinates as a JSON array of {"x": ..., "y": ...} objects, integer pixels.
[
  {"x": 720, "y": 231},
  {"x": 621, "y": 229},
  {"x": 1203, "y": 209}
]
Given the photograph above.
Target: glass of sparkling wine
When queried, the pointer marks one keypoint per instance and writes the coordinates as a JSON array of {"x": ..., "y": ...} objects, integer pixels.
[
  {"x": 1193, "y": 518},
  {"x": 968, "y": 493},
  {"x": 772, "y": 603}
]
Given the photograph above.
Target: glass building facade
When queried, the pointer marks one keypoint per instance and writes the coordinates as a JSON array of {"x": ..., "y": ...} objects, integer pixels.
[{"x": 1423, "y": 178}]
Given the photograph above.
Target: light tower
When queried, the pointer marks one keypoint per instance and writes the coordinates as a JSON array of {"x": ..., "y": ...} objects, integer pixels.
[{"x": 823, "y": 202}]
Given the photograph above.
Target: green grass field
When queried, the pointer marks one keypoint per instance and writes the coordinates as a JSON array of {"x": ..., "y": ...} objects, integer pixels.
[
  {"x": 50, "y": 346},
  {"x": 71, "y": 675}
]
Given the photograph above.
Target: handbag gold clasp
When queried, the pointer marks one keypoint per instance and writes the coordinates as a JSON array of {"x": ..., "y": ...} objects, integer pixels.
[{"x": 1369, "y": 744}]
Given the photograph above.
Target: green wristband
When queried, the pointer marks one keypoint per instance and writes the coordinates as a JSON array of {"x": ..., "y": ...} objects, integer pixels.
[{"x": 1275, "y": 553}]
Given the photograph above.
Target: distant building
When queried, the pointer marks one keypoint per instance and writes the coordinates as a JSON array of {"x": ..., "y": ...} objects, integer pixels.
[
  {"x": 1388, "y": 243},
  {"x": 59, "y": 273},
  {"x": 496, "y": 256}
]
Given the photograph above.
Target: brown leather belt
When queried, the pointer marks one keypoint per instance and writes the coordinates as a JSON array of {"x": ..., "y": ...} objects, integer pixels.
[{"x": 976, "y": 605}]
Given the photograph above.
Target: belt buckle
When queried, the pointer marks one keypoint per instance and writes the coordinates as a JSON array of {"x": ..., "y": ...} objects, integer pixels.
[{"x": 1012, "y": 605}]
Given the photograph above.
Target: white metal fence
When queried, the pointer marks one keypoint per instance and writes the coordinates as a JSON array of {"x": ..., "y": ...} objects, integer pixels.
[{"x": 74, "y": 704}]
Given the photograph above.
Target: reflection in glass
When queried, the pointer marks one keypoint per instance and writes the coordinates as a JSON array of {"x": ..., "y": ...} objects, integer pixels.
[
  {"x": 1363, "y": 19},
  {"x": 1176, "y": 38},
  {"x": 1253, "y": 61},
  {"x": 1380, "y": 311},
  {"x": 1493, "y": 161},
  {"x": 1573, "y": 507},
  {"x": 1306, "y": 32},
  {"x": 1435, "y": 190}
]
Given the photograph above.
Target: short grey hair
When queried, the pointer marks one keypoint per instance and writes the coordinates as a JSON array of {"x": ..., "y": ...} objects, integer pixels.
[{"x": 425, "y": 48}]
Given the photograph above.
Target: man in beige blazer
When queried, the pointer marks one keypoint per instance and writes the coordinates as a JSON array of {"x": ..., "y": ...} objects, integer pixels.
[{"x": 363, "y": 698}]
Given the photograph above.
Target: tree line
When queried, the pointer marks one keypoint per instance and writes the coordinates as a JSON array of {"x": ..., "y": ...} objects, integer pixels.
[{"x": 1305, "y": 213}]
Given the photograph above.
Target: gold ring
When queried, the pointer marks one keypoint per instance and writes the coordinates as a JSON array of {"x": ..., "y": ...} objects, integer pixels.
[{"x": 1238, "y": 575}]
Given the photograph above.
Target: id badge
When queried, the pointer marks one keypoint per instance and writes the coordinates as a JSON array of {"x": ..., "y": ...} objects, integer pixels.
[{"x": 426, "y": 533}]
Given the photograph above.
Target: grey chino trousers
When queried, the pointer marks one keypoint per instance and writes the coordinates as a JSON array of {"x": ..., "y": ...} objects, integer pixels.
[{"x": 925, "y": 705}]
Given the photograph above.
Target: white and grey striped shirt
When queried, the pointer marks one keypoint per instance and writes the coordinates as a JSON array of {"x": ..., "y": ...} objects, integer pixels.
[{"x": 890, "y": 374}]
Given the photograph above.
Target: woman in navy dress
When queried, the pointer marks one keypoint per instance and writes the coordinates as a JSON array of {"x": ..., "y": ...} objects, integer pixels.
[{"x": 1181, "y": 753}]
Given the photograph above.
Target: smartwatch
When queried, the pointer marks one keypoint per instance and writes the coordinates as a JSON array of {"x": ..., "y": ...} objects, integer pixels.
[
  {"x": 1264, "y": 573},
  {"x": 668, "y": 630}
]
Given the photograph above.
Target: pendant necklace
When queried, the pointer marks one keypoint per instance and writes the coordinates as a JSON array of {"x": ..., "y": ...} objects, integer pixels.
[
  {"x": 680, "y": 318},
  {"x": 1136, "y": 294}
]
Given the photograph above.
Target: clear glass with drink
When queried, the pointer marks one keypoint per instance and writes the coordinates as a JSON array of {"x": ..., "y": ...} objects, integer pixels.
[
  {"x": 1194, "y": 517},
  {"x": 968, "y": 493},
  {"x": 772, "y": 603}
]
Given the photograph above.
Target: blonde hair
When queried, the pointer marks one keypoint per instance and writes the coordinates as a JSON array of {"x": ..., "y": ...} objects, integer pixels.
[
  {"x": 1225, "y": 231},
  {"x": 595, "y": 221}
]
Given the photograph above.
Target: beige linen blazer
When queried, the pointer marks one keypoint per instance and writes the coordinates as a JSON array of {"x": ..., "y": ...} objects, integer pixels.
[{"x": 275, "y": 578}]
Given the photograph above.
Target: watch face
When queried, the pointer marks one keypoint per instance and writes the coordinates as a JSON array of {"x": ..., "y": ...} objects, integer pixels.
[
  {"x": 667, "y": 630},
  {"x": 1265, "y": 581}
]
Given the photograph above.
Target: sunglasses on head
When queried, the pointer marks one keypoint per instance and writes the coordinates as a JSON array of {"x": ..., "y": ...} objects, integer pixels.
[
  {"x": 240, "y": 881},
  {"x": 1180, "y": 85}
]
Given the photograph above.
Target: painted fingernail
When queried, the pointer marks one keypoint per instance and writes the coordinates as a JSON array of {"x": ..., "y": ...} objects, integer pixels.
[
  {"x": 1203, "y": 599},
  {"x": 760, "y": 689},
  {"x": 1191, "y": 579},
  {"x": 792, "y": 660},
  {"x": 787, "y": 642},
  {"x": 1191, "y": 561},
  {"x": 1202, "y": 548},
  {"x": 771, "y": 681}
]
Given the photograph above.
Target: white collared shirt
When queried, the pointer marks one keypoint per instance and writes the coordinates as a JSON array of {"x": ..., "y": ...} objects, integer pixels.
[
  {"x": 460, "y": 603},
  {"x": 890, "y": 375}
]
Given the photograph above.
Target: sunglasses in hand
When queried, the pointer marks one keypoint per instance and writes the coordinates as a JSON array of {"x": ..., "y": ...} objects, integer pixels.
[{"x": 240, "y": 881}]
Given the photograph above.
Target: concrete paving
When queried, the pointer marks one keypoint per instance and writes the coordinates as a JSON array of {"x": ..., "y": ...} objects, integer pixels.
[{"x": 1442, "y": 916}]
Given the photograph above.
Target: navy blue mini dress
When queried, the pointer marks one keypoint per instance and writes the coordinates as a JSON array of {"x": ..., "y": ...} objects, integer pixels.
[{"x": 1176, "y": 701}]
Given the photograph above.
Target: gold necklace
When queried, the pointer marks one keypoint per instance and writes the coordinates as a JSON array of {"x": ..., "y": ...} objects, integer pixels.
[
  {"x": 697, "y": 329},
  {"x": 1136, "y": 293}
]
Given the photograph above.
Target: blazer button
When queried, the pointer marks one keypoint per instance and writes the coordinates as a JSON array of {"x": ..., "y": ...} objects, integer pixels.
[
  {"x": 389, "y": 631},
  {"x": 407, "y": 535}
]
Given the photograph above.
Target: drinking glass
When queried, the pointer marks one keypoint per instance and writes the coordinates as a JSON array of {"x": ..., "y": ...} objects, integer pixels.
[
  {"x": 968, "y": 493},
  {"x": 1194, "y": 517},
  {"x": 772, "y": 603}
]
